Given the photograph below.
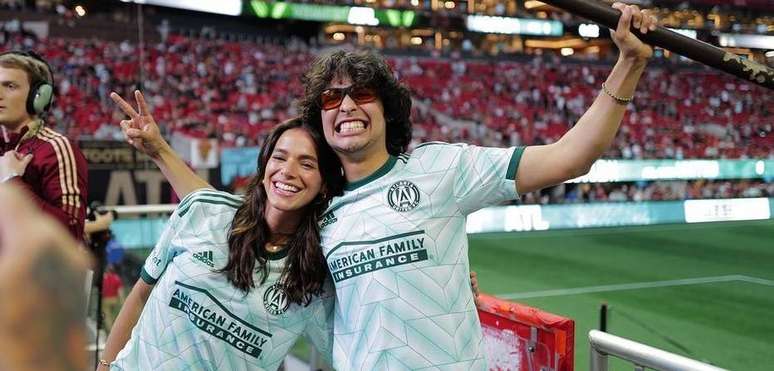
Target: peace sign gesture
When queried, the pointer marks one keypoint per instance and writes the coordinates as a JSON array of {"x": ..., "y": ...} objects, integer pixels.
[{"x": 140, "y": 130}]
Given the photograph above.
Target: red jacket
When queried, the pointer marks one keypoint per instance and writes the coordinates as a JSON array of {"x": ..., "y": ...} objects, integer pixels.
[{"x": 56, "y": 176}]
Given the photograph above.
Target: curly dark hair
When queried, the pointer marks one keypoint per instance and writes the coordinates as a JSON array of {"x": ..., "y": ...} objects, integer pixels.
[
  {"x": 305, "y": 269},
  {"x": 364, "y": 68}
]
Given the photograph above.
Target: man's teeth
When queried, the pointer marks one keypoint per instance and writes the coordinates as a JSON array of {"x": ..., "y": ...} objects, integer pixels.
[
  {"x": 351, "y": 126},
  {"x": 285, "y": 187}
]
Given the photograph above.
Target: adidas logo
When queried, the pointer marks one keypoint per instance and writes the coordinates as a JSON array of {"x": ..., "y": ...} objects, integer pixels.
[
  {"x": 205, "y": 257},
  {"x": 328, "y": 219}
]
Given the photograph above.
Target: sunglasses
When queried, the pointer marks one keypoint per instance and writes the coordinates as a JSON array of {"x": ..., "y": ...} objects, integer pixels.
[{"x": 331, "y": 98}]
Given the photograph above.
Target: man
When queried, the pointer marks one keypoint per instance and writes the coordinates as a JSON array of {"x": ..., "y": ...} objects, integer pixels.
[
  {"x": 32, "y": 155},
  {"x": 395, "y": 241},
  {"x": 42, "y": 315}
]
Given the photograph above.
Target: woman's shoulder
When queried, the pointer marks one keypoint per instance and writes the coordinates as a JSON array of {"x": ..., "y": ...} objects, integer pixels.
[{"x": 209, "y": 199}]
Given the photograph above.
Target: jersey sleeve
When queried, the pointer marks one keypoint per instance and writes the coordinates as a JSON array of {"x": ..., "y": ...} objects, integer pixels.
[
  {"x": 193, "y": 215},
  {"x": 165, "y": 249},
  {"x": 319, "y": 328},
  {"x": 486, "y": 176},
  {"x": 63, "y": 182}
]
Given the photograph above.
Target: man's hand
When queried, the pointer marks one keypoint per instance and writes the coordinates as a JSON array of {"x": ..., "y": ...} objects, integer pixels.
[
  {"x": 474, "y": 286},
  {"x": 42, "y": 276},
  {"x": 13, "y": 162},
  {"x": 141, "y": 130},
  {"x": 630, "y": 46}
]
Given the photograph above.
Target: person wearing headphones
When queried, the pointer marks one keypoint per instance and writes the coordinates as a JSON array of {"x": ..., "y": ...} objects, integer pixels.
[{"x": 38, "y": 158}]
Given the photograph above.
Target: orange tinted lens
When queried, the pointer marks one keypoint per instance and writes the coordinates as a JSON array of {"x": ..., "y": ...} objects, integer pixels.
[
  {"x": 331, "y": 98},
  {"x": 363, "y": 95}
]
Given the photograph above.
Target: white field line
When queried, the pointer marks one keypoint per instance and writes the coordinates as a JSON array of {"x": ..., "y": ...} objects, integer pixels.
[{"x": 635, "y": 286}]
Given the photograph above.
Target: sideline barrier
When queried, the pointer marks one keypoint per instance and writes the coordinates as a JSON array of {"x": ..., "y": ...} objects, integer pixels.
[
  {"x": 604, "y": 344},
  {"x": 522, "y": 338}
]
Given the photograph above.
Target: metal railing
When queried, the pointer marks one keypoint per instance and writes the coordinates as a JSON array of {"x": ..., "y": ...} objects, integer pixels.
[
  {"x": 643, "y": 356},
  {"x": 143, "y": 209}
]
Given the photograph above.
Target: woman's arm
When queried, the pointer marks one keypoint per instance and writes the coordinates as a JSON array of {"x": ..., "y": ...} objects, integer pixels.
[
  {"x": 142, "y": 132},
  {"x": 127, "y": 319}
]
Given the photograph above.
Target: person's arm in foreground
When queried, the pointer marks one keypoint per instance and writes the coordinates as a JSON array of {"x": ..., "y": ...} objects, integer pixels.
[
  {"x": 573, "y": 154},
  {"x": 142, "y": 132},
  {"x": 42, "y": 274},
  {"x": 125, "y": 322}
]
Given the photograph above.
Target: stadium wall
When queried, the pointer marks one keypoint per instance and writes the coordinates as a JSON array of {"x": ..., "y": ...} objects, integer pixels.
[
  {"x": 617, "y": 214},
  {"x": 143, "y": 233}
]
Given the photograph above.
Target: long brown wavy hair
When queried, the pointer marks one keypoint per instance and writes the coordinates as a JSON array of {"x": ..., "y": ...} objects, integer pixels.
[
  {"x": 364, "y": 68},
  {"x": 305, "y": 269}
]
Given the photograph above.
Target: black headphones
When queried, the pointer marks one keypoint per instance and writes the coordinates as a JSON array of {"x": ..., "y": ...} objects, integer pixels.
[{"x": 41, "y": 94}]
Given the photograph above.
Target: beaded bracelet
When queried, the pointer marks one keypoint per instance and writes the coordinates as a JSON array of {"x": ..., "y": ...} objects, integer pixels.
[{"x": 620, "y": 100}]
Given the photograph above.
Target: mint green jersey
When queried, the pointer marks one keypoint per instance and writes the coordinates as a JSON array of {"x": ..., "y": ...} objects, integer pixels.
[
  {"x": 195, "y": 319},
  {"x": 396, "y": 248}
]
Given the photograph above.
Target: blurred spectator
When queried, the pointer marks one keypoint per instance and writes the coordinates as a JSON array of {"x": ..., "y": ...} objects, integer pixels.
[
  {"x": 112, "y": 296},
  {"x": 42, "y": 273}
]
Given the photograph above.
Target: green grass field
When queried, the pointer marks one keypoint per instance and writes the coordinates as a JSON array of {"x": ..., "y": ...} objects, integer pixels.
[{"x": 705, "y": 291}]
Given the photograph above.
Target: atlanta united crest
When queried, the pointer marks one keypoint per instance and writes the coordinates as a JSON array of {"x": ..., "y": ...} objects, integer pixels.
[
  {"x": 403, "y": 196},
  {"x": 275, "y": 299}
]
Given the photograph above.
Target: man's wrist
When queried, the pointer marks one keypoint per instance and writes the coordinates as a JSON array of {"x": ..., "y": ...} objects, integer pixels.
[
  {"x": 9, "y": 176},
  {"x": 633, "y": 64}
]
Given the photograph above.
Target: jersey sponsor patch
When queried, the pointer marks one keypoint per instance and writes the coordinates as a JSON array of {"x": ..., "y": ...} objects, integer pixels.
[
  {"x": 275, "y": 299},
  {"x": 379, "y": 254},
  {"x": 403, "y": 196},
  {"x": 211, "y": 316}
]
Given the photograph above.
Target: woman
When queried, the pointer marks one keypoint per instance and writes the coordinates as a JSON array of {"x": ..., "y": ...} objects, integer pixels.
[{"x": 233, "y": 282}]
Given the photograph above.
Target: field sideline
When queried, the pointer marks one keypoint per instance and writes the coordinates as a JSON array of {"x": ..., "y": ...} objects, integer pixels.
[{"x": 705, "y": 291}]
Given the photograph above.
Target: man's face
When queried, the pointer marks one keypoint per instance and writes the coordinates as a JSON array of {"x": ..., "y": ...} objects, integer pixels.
[
  {"x": 353, "y": 129},
  {"x": 14, "y": 88}
]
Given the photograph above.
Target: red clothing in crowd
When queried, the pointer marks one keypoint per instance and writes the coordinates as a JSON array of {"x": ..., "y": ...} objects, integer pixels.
[
  {"x": 111, "y": 283},
  {"x": 56, "y": 177}
]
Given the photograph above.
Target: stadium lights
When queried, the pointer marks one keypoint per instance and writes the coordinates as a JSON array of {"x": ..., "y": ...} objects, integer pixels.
[
  {"x": 531, "y": 4},
  {"x": 507, "y": 25},
  {"x": 685, "y": 32},
  {"x": 227, "y": 7},
  {"x": 555, "y": 44},
  {"x": 362, "y": 15},
  {"x": 80, "y": 10},
  {"x": 746, "y": 41},
  {"x": 588, "y": 30},
  {"x": 358, "y": 15}
]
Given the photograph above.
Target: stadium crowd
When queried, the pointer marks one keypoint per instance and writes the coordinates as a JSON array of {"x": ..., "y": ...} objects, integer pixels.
[
  {"x": 198, "y": 89},
  {"x": 235, "y": 91},
  {"x": 650, "y": 191}
]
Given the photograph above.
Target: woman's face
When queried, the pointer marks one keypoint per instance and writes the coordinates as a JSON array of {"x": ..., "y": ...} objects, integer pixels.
[{"x": 292, "y": 178}]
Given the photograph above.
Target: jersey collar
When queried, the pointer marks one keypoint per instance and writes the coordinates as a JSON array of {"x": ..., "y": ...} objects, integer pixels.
[{"x": 375, "y": 175}]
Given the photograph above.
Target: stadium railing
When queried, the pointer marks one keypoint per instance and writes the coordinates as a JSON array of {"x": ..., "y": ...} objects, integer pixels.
[{"x": 643, "y": 356}]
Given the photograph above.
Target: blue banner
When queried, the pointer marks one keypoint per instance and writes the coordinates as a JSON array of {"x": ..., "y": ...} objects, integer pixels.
[{"x": 238, "y": 162}]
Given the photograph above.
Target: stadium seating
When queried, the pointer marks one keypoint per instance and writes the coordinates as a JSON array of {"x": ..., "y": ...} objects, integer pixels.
[{"x": 234, "y": 91}]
